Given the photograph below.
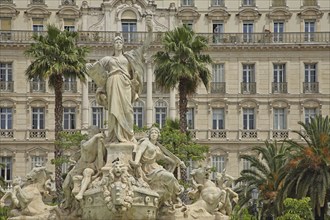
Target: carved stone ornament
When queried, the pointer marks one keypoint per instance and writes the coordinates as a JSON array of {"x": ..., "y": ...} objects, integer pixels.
[
  {"x": 188, "y": 14},
  {"x": 68, "y": 12},
  {"x": 279, "y": 14},
  {"x": 311, "y": 13},
  {"x": 248, "y": 14},
  {"x": 8, "y": 11},
  {"x": 218, "y": 14},
  {"x": 37, "y": 12}
]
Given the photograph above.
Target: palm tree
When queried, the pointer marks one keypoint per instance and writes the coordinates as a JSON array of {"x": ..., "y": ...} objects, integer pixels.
[
  {"x": 56, "y": 55},
  {"x": 266, "y": 174},
  {"x": 308, "y": 165},
  {"x": 182, "y": 63}
]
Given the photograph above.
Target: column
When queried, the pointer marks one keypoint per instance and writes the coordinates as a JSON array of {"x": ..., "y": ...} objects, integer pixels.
[
  {"x": 172, "y": 104},
  {"x": 149, "y": 94},
  {"x": 84, "y": 106}
]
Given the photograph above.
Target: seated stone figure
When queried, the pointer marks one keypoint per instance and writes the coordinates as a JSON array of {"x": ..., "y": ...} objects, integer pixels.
[
  {"x": 26, "y": 199},
  {"x": 87, "y": 168},
  {"x": 209, "y": 198},
  {"x": 147, "y": 153}
]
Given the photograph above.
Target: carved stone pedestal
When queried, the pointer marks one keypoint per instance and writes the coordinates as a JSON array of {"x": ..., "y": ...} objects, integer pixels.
[{"x": 123, "y": 151}]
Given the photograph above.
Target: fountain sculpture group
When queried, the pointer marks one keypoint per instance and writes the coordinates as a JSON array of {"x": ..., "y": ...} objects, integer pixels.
[{"x": 116, "y": 176}]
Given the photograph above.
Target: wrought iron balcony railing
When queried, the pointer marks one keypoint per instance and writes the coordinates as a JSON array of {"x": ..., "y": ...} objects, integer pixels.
[
  {"x": 248, "y": 88},
  {"x": 218, "y": 87},
  {"x": 37, "y": 133},
  {"x": 311, "y": 87},
  {"x": 6, "y": 133},
  {"x": 278, "y": 87},
  {"x": 37, "y": 2},
  {"x": 6, "y": 86},
  {"x": 102, "y": 38},
  {"x": 68, "y": 2}
]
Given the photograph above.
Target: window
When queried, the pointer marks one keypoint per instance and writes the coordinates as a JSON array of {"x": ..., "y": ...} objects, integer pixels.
[
  {"x": 218, "y": 163},
  {"x": 248, "y": 119},
  {"x": 218, "y": 79},
  {"x": 37, "y": 85},
  {"x": 217, "y": 31},
  {"x": 246, "y": 164},
  {"x": 97, "y": 117},
  {"x": 38, "y": 25},
  {"x": 310, "y": 84},
  {"x": 279, "y": 83},
  {"x": 248, "y": 2},
  {"x": 70, "y": 84},
  {"x": 187, "y": 2},
  {"x": 38, "y": 118},
  {"x": 278, "y": 31},
  {"x": 69, "y": 118},
  {"x": 6, "y": 77},
  {"x": 6, "y": 172},
  {"x": 69, "y": 24},
  {"x": 138, "y": 116},
  {"x": 188, "y": 23},
  {"x": 37, "y": 161},
  {"x": 309, "y": 30},
  {"x": 309, "y": 113},
  {"x": 5, "y": 25},
  {"x": 218, "y": 3},
  {"x": 190, "y": 167},
  {"x": 218, "y": 118},
  {"x": 248, "y": 85},
  {"x": 161, "y": 113},
  {"x": 6, "y": 117},
  {"x": 279, "y": 119},
  {"x": 129, "y": 30},
  {"x": 190, "y": 118},
  {"x": 247, "y": 31},
  {"x": 279, "y": 73}
]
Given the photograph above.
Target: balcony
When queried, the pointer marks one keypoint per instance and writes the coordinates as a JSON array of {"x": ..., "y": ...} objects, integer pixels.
[
  {"x": 249, "y": 134},
  {"x": 38, "y": 86},
  {"x": 218, "y": 134},
  {"x": 280, "y": 134},
  {"x": 6, "y": 86},
  {"x": 6, "y": 133},
  {"x": 278, "y": 87},
  {"x": 248, "y": 88},
  {"x": 37, "y": 134},
  {"x": 218, "y": 87},
  {"x": 6, "y": 1},
  {"x": 38, "y": 2},
  {"x": 103, "y": 38},
  {"x": 70, "y": 87},
  {"x": 279, "y": 3},
  {"x": 311, "y": 87}
]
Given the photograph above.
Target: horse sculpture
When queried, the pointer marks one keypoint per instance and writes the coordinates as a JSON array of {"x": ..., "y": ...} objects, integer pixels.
[{"x": 27, "y": 199}]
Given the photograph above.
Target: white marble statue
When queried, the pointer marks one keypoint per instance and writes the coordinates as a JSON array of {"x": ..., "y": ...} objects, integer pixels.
[
  {"x": 26, "y": 198},
  {"x": 119, "y": 81},
  {"x": 161, "y": 180},
  {"x": 88, "y": 167}
]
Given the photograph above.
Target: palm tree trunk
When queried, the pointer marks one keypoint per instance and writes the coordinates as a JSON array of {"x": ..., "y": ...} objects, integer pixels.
[
  {"x": 58, "y": 128},
  {"x": 183, "y": 102}
]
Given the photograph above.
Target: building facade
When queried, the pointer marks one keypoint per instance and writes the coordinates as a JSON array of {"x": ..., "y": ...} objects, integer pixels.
[{"x": 271, "y": 69}]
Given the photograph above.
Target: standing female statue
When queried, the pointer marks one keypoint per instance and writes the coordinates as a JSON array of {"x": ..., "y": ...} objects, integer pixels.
[{"x": 119, "y": 80}]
